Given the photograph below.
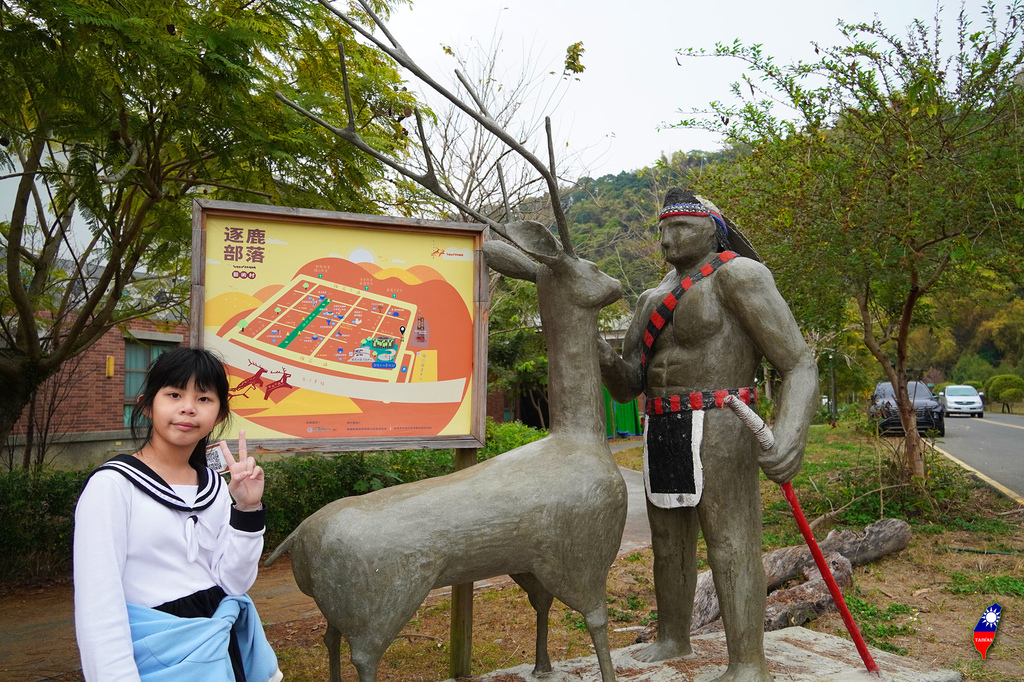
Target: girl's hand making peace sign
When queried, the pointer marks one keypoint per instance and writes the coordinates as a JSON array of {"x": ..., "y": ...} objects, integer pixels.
[{"x": 246, "y": 485}]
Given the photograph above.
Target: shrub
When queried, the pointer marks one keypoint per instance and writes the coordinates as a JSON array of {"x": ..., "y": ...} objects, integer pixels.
[
  {"x": 37, "y": 517},
  {"x": 822, "y": 415},
  {"x": 1005, "y": 389},
  {"x": 508, "y": 436},
  {"x": 976, "y": 385},
  {"x": 1012, "y": 395},
  {"x": 298, "y": 486},
  {"x": 37, "y": 508}
]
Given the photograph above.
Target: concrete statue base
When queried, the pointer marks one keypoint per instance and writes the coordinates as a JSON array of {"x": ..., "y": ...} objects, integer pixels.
[{"x": 794, "y": 654}]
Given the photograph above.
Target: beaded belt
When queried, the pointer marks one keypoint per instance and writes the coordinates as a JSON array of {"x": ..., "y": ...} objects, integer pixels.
[{"x": 702, "y": 400}]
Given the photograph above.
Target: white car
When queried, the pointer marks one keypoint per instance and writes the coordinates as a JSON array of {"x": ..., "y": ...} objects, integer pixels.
[{"x": 962, "y": 400}]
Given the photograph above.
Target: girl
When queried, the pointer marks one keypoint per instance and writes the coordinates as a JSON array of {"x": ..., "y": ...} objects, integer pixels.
[{"x": 162, "y": 560}]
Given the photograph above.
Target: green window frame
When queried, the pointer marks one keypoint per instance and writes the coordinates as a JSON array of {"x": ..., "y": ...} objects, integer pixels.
[{"x": 138, "y": 356}]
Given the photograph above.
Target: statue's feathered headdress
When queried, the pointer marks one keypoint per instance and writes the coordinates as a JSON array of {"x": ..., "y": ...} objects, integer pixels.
[{"x": 679, "y": 202}]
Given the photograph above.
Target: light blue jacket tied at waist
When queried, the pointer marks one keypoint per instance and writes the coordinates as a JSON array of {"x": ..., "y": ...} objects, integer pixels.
[{"x": 171, "y": 649}]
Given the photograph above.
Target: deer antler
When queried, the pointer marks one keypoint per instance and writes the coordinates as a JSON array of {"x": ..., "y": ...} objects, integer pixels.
[{"x": 428, "y": 179}]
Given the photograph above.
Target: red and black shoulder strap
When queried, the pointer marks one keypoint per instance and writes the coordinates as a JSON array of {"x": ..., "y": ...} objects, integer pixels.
[{"x": 663, "y": 313}]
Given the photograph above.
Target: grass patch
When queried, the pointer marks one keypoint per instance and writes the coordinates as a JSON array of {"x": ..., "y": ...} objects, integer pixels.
[
  {"x": 856, "y": 476},
  {"x": 989, "y": 584},
  {"x": 877, "y": 624},
  {"x": 631, "y": 458},
  {"x": 978, "y": 671}
]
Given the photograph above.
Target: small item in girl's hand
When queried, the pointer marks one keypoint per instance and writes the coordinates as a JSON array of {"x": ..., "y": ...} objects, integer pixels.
[{"x": 215, "y": 459}]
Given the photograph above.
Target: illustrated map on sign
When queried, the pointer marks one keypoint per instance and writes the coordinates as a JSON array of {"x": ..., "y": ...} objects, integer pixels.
[
  {"x": 338, "y": 328},
  {"x": 373, "y": 339}
]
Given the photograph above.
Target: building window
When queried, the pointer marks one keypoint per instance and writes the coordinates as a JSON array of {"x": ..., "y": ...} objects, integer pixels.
[{"x": 138, "y": 356}]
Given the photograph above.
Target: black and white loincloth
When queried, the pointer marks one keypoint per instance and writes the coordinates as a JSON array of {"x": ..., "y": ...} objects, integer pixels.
[{"x": 674, "y": 429}]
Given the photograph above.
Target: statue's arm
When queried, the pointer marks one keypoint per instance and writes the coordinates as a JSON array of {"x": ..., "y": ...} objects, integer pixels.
[
  {"x": 621, "y": 374},
  {"x": 751, "y": 294}
]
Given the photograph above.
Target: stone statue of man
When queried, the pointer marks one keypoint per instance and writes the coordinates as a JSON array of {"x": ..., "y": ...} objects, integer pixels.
[{"x": 697, "y": 337}]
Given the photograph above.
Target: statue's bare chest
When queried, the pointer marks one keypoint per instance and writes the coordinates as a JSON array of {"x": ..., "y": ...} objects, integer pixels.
[{"x": 697, "y": 318}]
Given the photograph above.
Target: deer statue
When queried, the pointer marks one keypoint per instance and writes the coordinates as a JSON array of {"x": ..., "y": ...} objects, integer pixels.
[{"x": 550, "y": 514}]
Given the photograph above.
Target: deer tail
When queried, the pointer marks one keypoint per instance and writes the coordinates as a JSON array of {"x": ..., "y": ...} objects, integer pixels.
[{"x": 280, "y": 549}]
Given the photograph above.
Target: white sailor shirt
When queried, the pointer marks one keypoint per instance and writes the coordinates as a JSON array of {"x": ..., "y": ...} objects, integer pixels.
[{"x": 139, "y": 540}]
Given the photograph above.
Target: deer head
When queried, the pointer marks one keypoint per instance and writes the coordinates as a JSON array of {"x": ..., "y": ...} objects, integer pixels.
[{"x": 576, "y": 280}]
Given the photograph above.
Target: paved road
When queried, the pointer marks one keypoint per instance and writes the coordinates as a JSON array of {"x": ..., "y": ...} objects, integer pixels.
[{"x": 994, "y": 446}]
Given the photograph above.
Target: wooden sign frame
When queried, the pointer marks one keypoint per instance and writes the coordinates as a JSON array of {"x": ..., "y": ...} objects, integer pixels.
[{"x": 274, "y": 325}]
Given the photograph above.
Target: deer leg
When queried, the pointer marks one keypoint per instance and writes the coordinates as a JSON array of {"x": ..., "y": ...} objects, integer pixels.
[
  {"x": 540, "y": 600},
  {"x": 372, "y": 630},
  {"x": 332, "y": 640},
  {"x": 588, "y": 596},
  {"x": 597, "y": 625},
  {"x": 367, "y": 654}
]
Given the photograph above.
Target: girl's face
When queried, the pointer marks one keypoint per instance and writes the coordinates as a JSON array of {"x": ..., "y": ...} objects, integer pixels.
[{"x": 183, "y": 416}]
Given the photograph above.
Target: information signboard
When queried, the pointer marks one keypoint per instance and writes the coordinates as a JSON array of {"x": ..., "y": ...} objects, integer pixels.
[{"x": 360, "y": 332}]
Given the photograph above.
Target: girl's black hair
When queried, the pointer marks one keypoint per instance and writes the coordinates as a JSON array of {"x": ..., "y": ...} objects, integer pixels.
[{"x": 176, "y": 368}]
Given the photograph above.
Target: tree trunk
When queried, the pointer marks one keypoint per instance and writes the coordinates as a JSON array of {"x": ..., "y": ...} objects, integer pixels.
[
  {"x": 882, "y": 537},
  {"x": 803, "y": 603},
  {"x": 913, "y": 445},
  {"x": 537, "y": 406},
  {"x": 30, "y": 433},
  {"x": 13, "y": 399}
]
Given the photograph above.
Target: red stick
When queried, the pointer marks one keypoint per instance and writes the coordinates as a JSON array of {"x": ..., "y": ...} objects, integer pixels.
[{"x": 826, "y": 573}]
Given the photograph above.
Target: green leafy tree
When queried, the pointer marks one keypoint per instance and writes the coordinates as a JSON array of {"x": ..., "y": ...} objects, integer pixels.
[
  {"x": 1006, "y": 331},
  {"x": 971, "y": 367},
  {"x": 931, "y": 347},
  {"x": 893, "y": 171},
  {"x": 121, "y": 113},
  {"x": 517, "y": 360},
  {"x": 615, "y": 217}
]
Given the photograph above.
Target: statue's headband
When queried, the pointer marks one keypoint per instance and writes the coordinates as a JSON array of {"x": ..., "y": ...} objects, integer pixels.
[{"x": 697, "y": 209}]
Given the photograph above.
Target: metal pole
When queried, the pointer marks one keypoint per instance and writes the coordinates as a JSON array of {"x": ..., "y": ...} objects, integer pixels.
[
  {"x": 461, "y": 639},
  {"x": 832, "y": 387}
]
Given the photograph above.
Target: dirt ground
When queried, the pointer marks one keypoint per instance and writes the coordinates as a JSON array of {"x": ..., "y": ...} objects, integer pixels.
[{"x": 944, "y": 622}]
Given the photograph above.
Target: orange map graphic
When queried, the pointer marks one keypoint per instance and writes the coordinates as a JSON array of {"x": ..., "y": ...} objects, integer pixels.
[{"x": 346, "y": 349}]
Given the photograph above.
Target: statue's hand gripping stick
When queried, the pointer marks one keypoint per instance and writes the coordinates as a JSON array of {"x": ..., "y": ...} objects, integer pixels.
[{"x": 753, "y": 422}]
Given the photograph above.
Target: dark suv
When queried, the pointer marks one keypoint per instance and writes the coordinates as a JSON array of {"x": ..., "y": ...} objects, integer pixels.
[{"x": 929, "y": 411}]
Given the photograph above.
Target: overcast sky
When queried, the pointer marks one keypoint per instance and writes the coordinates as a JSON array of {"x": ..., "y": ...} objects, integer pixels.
[{"x": 632, "y": 83}]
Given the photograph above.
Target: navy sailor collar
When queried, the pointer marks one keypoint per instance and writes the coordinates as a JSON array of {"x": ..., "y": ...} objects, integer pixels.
[{"x": 149, "y": 482}]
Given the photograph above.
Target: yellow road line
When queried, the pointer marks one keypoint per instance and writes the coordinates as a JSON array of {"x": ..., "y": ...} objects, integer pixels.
[
  {"x": 995, "y": 484},
  {"x": 995, "y": 423}
]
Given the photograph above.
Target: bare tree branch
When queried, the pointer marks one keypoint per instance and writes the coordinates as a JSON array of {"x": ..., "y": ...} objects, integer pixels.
[{"x": 393, "y": 49}]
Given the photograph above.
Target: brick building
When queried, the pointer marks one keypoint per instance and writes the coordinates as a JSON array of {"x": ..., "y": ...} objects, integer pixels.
[{"x": 84, "y": 409}]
